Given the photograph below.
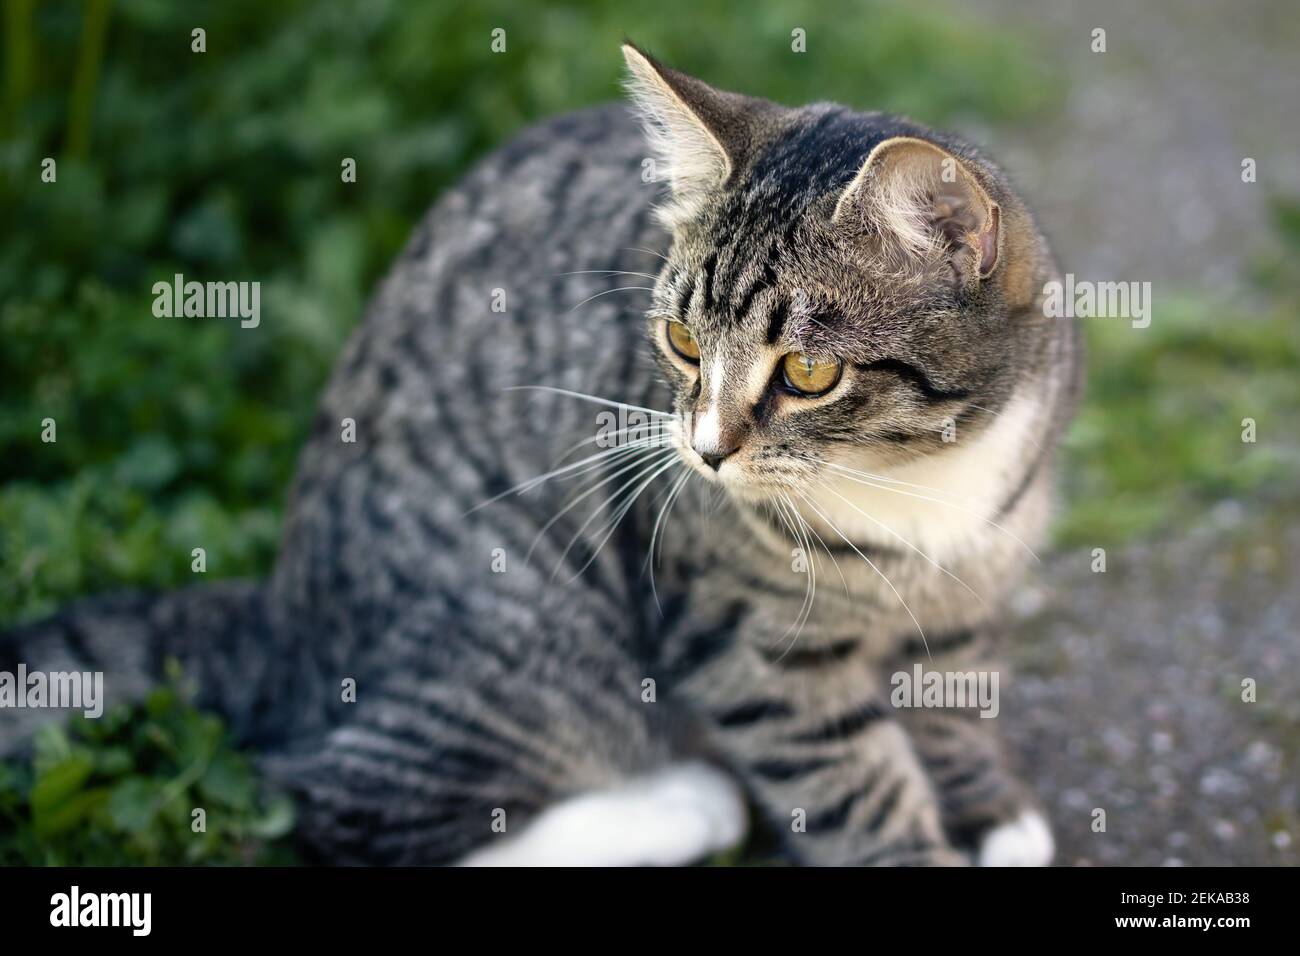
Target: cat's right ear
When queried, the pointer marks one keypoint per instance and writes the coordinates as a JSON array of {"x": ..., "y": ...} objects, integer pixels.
[
  {"x": 929, "y": 202},
  {"x": 697, "y": 133}
]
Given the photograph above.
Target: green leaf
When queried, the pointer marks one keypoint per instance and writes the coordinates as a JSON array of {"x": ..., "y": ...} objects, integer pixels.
[
  {"x": 57, "y": 800},
  {"x": 161, "y": 700},
  {"x": 76, "y": 811},
  {"x": 114, "y": 761},
  {"x": 51, "y": 745},
  {"x": 59, "y": 781},
  {"x": 275, "y": 821},
  {"x": 228, "y": 781},
  {"x": 134, "y": 803},
  {"x": 12, "y": 779}
]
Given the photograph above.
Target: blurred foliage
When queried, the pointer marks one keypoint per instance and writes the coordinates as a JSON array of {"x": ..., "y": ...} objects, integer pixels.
[
  {"x": 225, "y": 165},
  {"x": 122, "y": 790},
  {"x": 1159, "y": 436}
]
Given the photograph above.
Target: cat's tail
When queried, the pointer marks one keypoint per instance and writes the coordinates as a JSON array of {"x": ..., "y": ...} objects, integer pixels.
[{"x": 119, "y": 646}]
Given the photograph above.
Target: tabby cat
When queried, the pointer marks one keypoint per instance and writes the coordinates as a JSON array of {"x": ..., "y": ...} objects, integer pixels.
[{"x": 820, "y": 332}]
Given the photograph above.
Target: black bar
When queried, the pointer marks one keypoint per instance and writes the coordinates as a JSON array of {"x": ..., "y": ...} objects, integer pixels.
[{"x": 332, "y": 906}]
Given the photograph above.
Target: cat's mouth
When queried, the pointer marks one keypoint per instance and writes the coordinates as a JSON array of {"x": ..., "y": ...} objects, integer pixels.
[
  {"x": 729, "y": 471},
  {"x": 742, "y": 476},
  {"x": 752, "y": 473},
  {"x": 709, "y": 472}
]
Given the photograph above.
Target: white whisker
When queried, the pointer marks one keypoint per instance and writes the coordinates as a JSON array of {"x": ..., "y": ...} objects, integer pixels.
[
  {"x": 999, "y": 414},
  {"x": 873, "y": 567},
  {"x": 540, "y": 479},
  {"x": 588, "y": 398},
  {"x": 624, "y": 288},
  {"x": 829, "y": 554},
  {"x": 608, "y": 272},
  {"x": 810, "y": 588},
  {"x": 604, "y": 504},
  {"x": 886, "y": 527},
  {"x": 848, "y": 473},
  {"x": 654, "y": 534},
  {"x": 649, "y": 252},
  {"x": 663, "y": 440},
  {"x": 623, "y": 510},
  {"x": 886, "y": 479},
  {"x": 639, "y": 461}
]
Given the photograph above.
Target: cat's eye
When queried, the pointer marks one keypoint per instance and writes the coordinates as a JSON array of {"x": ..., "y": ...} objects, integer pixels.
[
  {"x": 683, "y": 343},
  {"x": 806, "y": 375}
]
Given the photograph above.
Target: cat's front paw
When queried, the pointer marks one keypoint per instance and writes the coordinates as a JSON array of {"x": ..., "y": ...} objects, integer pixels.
[{"x": 1024, "y": 841}]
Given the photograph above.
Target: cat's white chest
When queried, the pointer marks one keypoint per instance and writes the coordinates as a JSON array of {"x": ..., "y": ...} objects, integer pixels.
[{"x": 945, "y": 503}]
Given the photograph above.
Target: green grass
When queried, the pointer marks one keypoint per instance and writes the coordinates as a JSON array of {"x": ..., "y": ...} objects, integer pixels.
[
  {"x": 1159, "y": 437},
  {"x": 156, "y": 783},
  {"x": 1158, "y": 440}
]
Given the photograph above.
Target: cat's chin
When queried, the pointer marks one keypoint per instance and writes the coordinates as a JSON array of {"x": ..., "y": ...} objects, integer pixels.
[{"x": 756, "y": 492}]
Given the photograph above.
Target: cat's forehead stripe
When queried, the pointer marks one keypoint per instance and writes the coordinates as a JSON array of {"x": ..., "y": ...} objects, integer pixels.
[
  {"x": 776, "y": 320},
  {"x": 765, "y": 279},
  {"x": 684, "y": 296},
  {"x": 706, "y": 279},
  {"x": 726, "y": 292}
]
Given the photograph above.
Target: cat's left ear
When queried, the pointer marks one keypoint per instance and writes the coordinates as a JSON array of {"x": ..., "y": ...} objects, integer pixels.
[
  {"x": 929, "y": 202},
  {"x": 698, "y": 134}
]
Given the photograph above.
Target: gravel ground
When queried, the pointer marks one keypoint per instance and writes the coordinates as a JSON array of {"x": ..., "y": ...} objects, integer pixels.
[
  {"x": 1138, "y": 176},
  {"x": 1126, "y": 695}
]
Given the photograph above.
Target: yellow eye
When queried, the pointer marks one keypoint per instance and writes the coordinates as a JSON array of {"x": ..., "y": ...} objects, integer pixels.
[
  {"x": 808, "y": 376},
  {"x": 683, "y": 343}
]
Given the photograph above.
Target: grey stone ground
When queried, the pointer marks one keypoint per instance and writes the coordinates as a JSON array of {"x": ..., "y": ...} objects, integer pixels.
[
  {"x": 1138, "y": 175},
  {"x": 1126, "y": 695},
  {"x": 1127, "y": 689}
]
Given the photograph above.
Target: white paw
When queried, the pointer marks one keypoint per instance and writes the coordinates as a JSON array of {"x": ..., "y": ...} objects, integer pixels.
[
  {"x": 674, "y": 816},
  {"x": 1026, "y": 841}
]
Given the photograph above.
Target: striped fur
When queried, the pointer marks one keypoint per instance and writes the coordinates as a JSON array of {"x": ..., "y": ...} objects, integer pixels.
[{"x": 484, "y": 696}]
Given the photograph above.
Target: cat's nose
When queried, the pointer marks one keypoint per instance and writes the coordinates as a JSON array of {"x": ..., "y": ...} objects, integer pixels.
[
  {"x": 716, "y": 436},
  {"x": 715, "y": 460}
]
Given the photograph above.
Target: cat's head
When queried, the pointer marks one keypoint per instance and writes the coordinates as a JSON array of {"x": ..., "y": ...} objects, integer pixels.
[{"x": 841, "y": 287}]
